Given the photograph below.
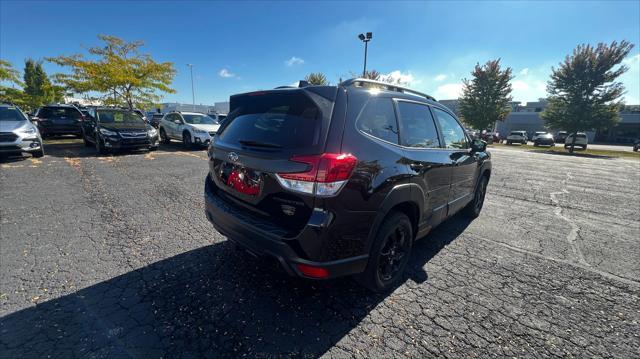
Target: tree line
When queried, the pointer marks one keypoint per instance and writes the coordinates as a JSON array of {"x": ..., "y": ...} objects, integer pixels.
[
  {"x": 583, "y": 91},
  {"x": 116, "y": 73}
]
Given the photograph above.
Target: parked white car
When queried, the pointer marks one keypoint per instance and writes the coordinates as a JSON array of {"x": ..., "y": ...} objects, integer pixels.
[
  {"x": 191, "y": 128},
  {"x": 517, "y": 137},
  {"x": 581, "y": 141}
]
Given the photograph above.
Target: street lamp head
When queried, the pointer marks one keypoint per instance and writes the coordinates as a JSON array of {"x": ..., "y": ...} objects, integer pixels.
[
  {"x": 369, "y": 35},
  {"x": 361, "y": 37}
]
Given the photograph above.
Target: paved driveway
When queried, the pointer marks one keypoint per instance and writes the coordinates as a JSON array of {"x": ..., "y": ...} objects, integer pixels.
[{"x": 113, "y": 257}]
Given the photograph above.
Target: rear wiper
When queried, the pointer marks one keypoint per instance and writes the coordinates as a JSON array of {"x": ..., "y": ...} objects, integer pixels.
[{"x": 253, "y": 143}]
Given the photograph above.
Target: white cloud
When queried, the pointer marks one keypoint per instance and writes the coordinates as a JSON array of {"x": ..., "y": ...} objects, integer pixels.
[
  {"x": 440, "y": 77},
  {"x": 519, "y": 85},
  {"x": 524, "y": 72},
  {"x": 631, "y": 60},
  {"x": 226, "y": 73},
  {"x": 294, "y": 61},
  {"x": 449, "y": 91},
  {"x": 399, "y": 77}
]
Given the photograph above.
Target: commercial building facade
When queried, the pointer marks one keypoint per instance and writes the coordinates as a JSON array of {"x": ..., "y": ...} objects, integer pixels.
[{"x": 526, "y": 117}]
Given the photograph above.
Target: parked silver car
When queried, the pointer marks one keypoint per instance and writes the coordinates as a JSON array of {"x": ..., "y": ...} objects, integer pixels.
[{"x": 17, "y": 133}]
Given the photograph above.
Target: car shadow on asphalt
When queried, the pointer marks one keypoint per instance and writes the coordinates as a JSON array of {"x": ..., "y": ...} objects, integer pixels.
[{"x": 213, "y": 301}]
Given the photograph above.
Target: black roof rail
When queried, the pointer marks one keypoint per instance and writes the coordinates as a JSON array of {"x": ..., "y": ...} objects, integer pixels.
[{"x": 391, "y": 87}]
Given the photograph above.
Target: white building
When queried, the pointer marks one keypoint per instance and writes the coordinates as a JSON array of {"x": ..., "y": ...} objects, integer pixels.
[{"x": 218, "y": 107}]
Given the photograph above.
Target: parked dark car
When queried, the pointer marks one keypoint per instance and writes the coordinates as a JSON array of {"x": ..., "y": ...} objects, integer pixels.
[
  {"x": 57, "y": 120},
  {"x": 636, "y": 146},
  {"x": 561, "y": 136},
  {"x": 331, "y": 182},
  {"x": 543, "y": 139},
  {"x": 155, "y": 119},
  {"x": 111, "y": 129}
]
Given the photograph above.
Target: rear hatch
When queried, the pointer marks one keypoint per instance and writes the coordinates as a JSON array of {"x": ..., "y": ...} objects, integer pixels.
[
  {"x": 64, "y": 117},
  {"x": 266, "y": 141}
]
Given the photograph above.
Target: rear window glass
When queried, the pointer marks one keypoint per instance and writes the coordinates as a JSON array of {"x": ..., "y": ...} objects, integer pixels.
[
  {"x": 199, "y": 120},
  {"x": 67, "y": 112},
  {"x": 273, "y": 121}
]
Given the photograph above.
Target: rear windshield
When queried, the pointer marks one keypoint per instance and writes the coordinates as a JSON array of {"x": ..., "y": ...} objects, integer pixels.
[
  {"x": 11, "y": 114},
  {"x": 199, "y": 120},
  {"x": 108, "y": 116},
  {"x": 68, "y": 112},
  {"x": 276, "y": 120}
]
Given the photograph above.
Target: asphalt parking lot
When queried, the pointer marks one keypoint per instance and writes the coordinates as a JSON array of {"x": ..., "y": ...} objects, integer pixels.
[{"x": 113, "y": 257}]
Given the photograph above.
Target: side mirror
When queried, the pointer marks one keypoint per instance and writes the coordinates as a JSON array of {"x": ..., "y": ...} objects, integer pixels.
[{"x": 478, "y": 145}]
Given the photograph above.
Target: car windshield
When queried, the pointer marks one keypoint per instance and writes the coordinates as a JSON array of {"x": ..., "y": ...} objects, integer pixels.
[
  {"x": 115, "y": 116},
  {"x": 199, "y": 120},
  {"x": 11, "y": 114}
]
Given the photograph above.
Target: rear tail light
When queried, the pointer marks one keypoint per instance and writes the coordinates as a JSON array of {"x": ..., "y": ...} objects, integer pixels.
[{"x": 326, "y": 176}]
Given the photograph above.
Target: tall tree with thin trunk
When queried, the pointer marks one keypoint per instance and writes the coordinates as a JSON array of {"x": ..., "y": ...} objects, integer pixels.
[
  {"x": 38, "y": 89},
  {"x": 485, "y": 98},
  {"x": 584, "y": 94},
  {"x": 119, "y": 72}
]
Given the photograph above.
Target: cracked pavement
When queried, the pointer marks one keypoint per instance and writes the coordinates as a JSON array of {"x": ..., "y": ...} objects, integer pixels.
[{"x": 113, "y": 257}]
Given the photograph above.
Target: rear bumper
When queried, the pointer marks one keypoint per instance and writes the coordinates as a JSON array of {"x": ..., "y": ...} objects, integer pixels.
[
  {"x": 59, "y": 130},
  {"x": 263, "y": 241}
]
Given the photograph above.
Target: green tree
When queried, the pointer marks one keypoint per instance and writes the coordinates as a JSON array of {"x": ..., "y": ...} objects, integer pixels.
[
  {"x": 38, "y": 89},
  {"x": 583, "y": 92},
  {"x": 119, "y": 72},
  {"x": 485, "y": 98},
  {"x": 316, "y": 78},
  {"x": 8, "y": 73}
]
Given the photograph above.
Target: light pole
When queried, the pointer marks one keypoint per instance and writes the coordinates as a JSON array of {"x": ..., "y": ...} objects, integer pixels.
[
  {"x": 193, "y": 93},
  {"x": 365, "y": 38}
]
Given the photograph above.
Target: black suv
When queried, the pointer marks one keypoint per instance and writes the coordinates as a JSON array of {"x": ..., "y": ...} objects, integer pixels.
[
  {"x": 54, "y": 120},
  {"x": 109, "y": 129},
  {"x": 340, "y": 180}
]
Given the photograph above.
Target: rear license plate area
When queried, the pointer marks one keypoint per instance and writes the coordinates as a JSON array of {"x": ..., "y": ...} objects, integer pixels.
[{"x": 241, "y": 179}]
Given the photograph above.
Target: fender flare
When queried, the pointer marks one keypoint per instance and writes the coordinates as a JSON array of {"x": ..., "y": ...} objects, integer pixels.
[{"x": 402, "y": 193}]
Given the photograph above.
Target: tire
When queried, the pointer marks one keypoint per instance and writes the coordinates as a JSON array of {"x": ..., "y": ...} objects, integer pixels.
[
  {"x": 187, "y": 142},
  {"x": 536, "y": 144},
  {"x": 39, "y": 153},
  {"x": 584, "y": 147},
  {"x": 508, "y": 142},
  {"x": 473, "y": 209},
  {"x": 154, "y": 148},
  {"x": 100, "y": 147},
  {"x": 163, "y": 136},
  {"x": 389, "y": 254},
  {"x": 86, "y": 143}
]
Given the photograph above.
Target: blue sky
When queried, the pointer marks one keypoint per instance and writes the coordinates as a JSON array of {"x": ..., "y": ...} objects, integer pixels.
[{"x": 243, "y": 46}]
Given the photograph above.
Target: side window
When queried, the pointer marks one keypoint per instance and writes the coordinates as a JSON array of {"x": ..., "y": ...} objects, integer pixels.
[
  {"x": 378, "y": 119},
  {"x": 417, "y": 128},
  {"x": 452, "y": 132}
]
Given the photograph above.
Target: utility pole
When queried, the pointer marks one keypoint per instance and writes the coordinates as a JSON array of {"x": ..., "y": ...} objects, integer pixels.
[{"x": 193, "y": 92}]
